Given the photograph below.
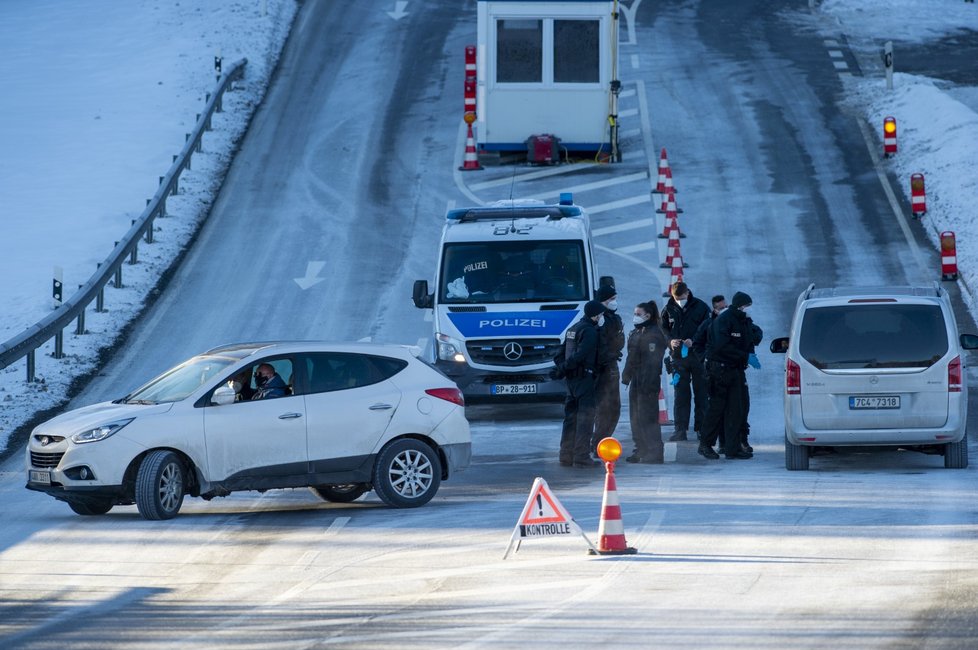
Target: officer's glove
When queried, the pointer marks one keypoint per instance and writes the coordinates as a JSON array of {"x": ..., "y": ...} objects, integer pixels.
[
  {"x": 753, "y": 361},
  {"x": 685, "y": 351}
]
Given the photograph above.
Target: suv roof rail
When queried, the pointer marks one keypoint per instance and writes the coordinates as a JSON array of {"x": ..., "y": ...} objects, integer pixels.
[{"x": 808, "y": 292}]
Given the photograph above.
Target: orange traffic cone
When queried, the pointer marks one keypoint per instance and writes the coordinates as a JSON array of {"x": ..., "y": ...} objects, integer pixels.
[
  {"x": 611, "y": 530},
  {"x": 663, "y": 409},
  {"x": 663, "y": 184},
  {"x": 471, "y": 161},
  {"x": 669, "y": 203}
]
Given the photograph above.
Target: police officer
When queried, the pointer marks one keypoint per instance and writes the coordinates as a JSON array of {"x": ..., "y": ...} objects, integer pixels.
[
  {"x": 681, "y": 317},
  {"x": 611, "y": 341},
  {"x": 728, "y": 348},
  {"x": 580, "y": 364}
]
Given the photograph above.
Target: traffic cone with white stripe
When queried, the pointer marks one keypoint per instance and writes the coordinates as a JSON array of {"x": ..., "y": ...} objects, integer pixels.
[
  {"x": 663, "y": 184},
  {"x": 668, "y": 205},
  {"x": 471, "y": 161},
  {"x": 672, "y": 248},
  {"x": 611, "y": 529},
  {"x": 663, "y": 409}
]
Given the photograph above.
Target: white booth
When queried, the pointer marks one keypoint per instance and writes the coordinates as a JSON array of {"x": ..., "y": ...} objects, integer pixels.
[{"x": 547, "y": 67}]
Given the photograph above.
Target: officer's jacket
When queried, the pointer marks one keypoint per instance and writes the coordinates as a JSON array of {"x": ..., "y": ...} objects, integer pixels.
[
  {"x": 730, "y": 339},
  {"x": 682, "y": 322},
  {"x": 581, "y": 347},
  {"x": 611, "y": 339},
  {"x": 646, "y": 346}
]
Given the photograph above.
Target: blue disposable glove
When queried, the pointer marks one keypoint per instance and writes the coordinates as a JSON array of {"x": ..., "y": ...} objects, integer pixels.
[
  {"x": 675, "y": 379},
  {"x": 753, "y": 361},
  {"x": 685, "y": 351}
]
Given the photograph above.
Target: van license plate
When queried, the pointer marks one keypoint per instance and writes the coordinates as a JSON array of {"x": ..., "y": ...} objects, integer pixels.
[
  {"x": 514, "y": 389},
  {"x": 858, "y": 402},
  {"x": 36, "y": 476}
]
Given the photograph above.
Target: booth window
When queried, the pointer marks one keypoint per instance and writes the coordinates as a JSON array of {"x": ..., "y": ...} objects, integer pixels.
[
  {"x": 576, "y": 53},
  {"x": 519, "y": 51}
]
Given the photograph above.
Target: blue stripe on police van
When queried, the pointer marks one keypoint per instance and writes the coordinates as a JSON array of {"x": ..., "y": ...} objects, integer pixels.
[{"x": 512, "y": 323}]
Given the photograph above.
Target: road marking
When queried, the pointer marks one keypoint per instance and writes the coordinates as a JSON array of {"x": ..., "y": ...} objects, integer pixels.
[
  {"x": 629, "y": 133},
  {"x": 336, "y": 526},
  {"x": 597, "y": 185},
  {"x": 628, "y": 113},
  {"x": 835, "y": 54},
  {"x": 627, "y": 93},
  {"x": 543, "y": 173},
  {"x": 635, "y": 61},
  {"x": 831, "y": 43},
  {"x": 665, "y": 485},
  {"x": 620, "y": 203},
  {"x": 635, "y": 248},
  {"x": 622, "y": 227},
  {"x": 840, "y": 65},
  {"x": 891, "y": 197}
]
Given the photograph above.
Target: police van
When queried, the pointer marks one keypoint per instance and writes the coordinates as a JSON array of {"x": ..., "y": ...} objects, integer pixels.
[{"x": 512, "y": 277}]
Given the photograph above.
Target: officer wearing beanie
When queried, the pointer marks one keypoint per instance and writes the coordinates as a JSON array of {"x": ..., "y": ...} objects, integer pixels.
[
  {"x": 611, "y": 342},
  {"x": 729, "y": 344},
  {"x": 580, "y": 364}
]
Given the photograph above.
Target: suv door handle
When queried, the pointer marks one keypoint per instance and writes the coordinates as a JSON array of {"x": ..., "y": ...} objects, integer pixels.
[
  {"x": 381, "y": 407},
  {"x": 289, "y": 416}
]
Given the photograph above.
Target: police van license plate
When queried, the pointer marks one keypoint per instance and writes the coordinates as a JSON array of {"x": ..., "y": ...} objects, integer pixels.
[
  {"x": 857, "y": 402},
  {"x": 513, "y": 389},
  {"x": 37, "y": 476}
]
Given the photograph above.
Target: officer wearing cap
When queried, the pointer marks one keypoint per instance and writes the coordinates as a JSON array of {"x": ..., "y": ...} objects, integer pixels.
[
  {"x": 580, "y": 363},
  {"x": 729, "y": 344},
  {"x": 611, "y": 341}
]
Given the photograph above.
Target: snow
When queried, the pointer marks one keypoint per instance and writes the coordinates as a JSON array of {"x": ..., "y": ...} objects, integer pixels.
[{"x": 98, "y": 97}]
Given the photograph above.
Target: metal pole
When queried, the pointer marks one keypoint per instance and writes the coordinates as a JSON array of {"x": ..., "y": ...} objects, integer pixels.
[
  {"x": 30, "y": 367},
  {"x": 59, "y": 344}
]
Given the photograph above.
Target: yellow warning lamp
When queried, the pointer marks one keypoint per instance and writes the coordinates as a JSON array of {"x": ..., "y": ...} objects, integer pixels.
[
  {"x": 469, "y": 117},
  {"x": 947, "y": 245},
  {"x": 609, "y": 449},
  {"x": 889, "y": 125}
]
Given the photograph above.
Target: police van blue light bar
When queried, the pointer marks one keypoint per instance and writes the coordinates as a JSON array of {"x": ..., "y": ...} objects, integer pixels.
[{"x": 566, "y": 198}]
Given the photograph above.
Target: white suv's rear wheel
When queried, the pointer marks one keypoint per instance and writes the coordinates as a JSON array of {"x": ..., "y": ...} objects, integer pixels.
[
  {"x": 407, "y": 473},
  {"x": 956, "y": 454},
  {"x": 160, "y": 485},
  {"x": 795, "y": 456}
]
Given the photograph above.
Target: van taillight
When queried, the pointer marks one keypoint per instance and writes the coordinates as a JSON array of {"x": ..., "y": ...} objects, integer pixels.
[
  {"x": 792, "y": 378},
  {"x": 954, "y": 375},
  {"x": 452, "y": 395}
]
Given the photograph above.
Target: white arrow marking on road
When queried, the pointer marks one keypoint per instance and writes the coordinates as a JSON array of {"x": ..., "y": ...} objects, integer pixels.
[
  {"x": 312, "y": 275},
  {"x": 398, "y": 12}
]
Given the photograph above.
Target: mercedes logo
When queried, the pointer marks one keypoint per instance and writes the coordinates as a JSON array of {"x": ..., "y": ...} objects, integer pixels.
[
  {"x": 512, "y": 351},
  {"x": 874, "y": 380}
]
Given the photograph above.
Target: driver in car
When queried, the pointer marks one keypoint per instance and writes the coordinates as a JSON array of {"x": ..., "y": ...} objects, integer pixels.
[{"x": 269, "y": 383}]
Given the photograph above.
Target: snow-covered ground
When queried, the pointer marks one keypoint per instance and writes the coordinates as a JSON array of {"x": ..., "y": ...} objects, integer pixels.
[{"x": 98, "y": 96}]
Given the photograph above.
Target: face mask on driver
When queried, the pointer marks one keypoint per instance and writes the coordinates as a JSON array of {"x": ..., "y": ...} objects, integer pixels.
[{"x": 260, "y": 380}]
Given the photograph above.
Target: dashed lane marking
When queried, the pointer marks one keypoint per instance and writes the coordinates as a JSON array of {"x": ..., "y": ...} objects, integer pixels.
[
  {"x": 635, "y": 248},
  {"x": 631, "y": 225},
  {"x": 620, "y": 203},
  {"x": 635, "y": 61},
  {"x": 840, "y": 65},
  {"x": 631, "y": 112},
  {"x": 529, "y": 176},
  {"x": 597, "y": 185},
  {"x": 836, "y": 54}
]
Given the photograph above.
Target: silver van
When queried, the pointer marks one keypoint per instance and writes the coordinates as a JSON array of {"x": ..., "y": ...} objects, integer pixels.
[{"x": 875, "y": 366}]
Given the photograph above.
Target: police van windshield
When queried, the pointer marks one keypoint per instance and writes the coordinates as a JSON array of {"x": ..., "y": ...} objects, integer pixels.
[
  {"x": 513, "y": 271},
  {"x": 873, "y": 336}
]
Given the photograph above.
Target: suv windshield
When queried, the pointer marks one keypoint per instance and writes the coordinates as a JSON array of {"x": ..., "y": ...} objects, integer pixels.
[
  {"x": 178, "y": 383},
  {"x": 889, "y": 335},
  {"x": 519, "y": 271}
]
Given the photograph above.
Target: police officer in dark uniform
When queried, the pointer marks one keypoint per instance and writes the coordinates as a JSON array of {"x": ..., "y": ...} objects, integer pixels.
[
  {"x": 728, "y": 347},
  {"x": 580, "y": 364},
  {"x": 611, "y": 341},
  {"x": 681, "y": 317}
]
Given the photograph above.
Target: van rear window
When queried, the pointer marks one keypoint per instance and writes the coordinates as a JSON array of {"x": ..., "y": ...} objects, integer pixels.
[{"x": 873, "y": 336}]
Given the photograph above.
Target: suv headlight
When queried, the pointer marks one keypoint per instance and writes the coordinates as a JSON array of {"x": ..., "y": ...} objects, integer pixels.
[
  {"x": 100, "y": 432},
  {"x": 449, "y": 349}
]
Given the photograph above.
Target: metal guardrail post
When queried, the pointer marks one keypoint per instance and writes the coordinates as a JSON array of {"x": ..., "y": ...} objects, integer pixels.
[
  {"x": 31, "y": 375},
  {"x": 80, "y": 326},
  {"x": 100, "y": 301},
  {"x": 59, "y": 345}
]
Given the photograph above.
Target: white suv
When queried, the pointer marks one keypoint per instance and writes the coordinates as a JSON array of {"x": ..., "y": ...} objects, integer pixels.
[
  {"x": 875, "y": 366},
  {"x": 339, "y": 418}
]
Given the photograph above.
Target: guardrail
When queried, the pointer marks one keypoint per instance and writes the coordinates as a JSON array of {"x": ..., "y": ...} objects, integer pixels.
[{"x": 52, "y": 326}]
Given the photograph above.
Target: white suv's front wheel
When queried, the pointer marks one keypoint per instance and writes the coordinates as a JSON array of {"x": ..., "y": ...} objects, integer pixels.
[
  {"x": 160, "y": 485},
  {"x": 407, "y": 473}
]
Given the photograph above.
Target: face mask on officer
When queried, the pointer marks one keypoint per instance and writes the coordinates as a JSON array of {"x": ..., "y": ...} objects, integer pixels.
[
  {"x": 682, "y": 301},
  {"x": 638, "y": 319},
  {"x": 612, "y": 305},
  {"x": 745, "y": 308},
  {"x": 601, "y": 320}
]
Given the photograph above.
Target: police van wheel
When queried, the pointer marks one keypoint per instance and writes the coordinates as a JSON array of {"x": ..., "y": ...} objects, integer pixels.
[
  {"x": 407, "y": 473},
  {"x": 344, "y": 493},
  {"x": 795, "y": 456},
  {"x": 956, "y": 454}
]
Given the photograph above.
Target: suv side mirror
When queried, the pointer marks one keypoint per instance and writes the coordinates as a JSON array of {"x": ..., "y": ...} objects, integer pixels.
[
  {"x": 422, "y": 299},
  {"x": 969, "y": 341},
  {"x": 223, "y": 395},
  {"x": 779, "y": 345}
]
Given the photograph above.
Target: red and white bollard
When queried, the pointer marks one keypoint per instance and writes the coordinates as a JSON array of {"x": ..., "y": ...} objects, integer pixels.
[
  {"x": 918, "y": 196},
  {"x": 470, "y": 61},
  {"x": 889, "y": 137},
  {"x": 949, "y": 256}
]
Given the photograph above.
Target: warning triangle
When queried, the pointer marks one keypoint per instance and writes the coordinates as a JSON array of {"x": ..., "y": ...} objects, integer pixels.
[{"x": 542, "y": 507}]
